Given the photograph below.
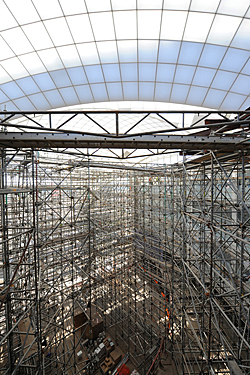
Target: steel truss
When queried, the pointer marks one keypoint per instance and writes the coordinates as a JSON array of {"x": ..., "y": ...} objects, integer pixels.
[{"x": 124, "y": 133}]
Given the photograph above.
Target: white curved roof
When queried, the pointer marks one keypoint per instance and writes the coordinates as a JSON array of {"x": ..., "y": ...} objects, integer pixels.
[{"x": 57, "y": 53}]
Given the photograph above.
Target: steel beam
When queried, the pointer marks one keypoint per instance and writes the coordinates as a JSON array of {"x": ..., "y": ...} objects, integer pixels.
[{"x": 72, "y": 140}]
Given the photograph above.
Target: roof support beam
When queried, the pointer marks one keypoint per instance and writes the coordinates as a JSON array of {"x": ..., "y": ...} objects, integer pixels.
[{"x": 75, "y": 140}]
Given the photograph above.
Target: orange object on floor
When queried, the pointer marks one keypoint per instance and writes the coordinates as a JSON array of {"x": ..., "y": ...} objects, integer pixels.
[{"x": 123, "y": 370}]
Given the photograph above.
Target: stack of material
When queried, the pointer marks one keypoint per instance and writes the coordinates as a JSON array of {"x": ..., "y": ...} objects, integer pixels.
[
  {"x": 110, "y": 346},
  {"x": 116, "y": 356},
  {"x": 100, "y": 351},
  {"x": 79, "y": 354},
  {"x": 107, "y": 365}
]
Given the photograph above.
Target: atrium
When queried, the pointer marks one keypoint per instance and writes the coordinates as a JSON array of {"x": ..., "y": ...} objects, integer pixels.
[{"x": 125, "y": 187}]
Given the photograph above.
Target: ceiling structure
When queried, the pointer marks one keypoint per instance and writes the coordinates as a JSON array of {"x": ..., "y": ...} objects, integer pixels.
[{"x": 60, "y": 53}]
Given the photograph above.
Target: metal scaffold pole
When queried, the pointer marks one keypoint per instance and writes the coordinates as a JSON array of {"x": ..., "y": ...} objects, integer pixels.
[
  {"x": 156, "y": 253},
  {"x": 6, "y": 263},
  {"x": 37, "y": 275}
]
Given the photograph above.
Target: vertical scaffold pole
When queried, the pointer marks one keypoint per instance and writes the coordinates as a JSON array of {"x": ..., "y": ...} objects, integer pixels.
[
  {"x": 184, "y": 259},
  {"x": 211, "y": 264},
  {"x": 36, "y": 266},
  {"x": 6, "y": 261},
  {"x": 89, "y": 250},
  {"x": 242, "y": 219}
]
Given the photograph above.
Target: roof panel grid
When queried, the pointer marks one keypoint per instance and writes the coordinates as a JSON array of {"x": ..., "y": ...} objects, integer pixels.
[{"x": 182, "y": 52}]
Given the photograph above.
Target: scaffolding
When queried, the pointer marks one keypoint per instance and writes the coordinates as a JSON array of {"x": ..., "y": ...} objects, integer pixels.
[{"x": 161, "y": 252}]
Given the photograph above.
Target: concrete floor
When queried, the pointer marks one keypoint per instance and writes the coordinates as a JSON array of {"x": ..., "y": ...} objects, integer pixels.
[{"x": 168, "y": 366}]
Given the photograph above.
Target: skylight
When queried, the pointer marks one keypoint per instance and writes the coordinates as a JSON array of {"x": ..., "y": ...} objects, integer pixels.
[{"x": 182, "y": 51}]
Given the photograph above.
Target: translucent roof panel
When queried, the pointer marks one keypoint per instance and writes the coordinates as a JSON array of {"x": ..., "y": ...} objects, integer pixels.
[{"x": 56, "y": 53}]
